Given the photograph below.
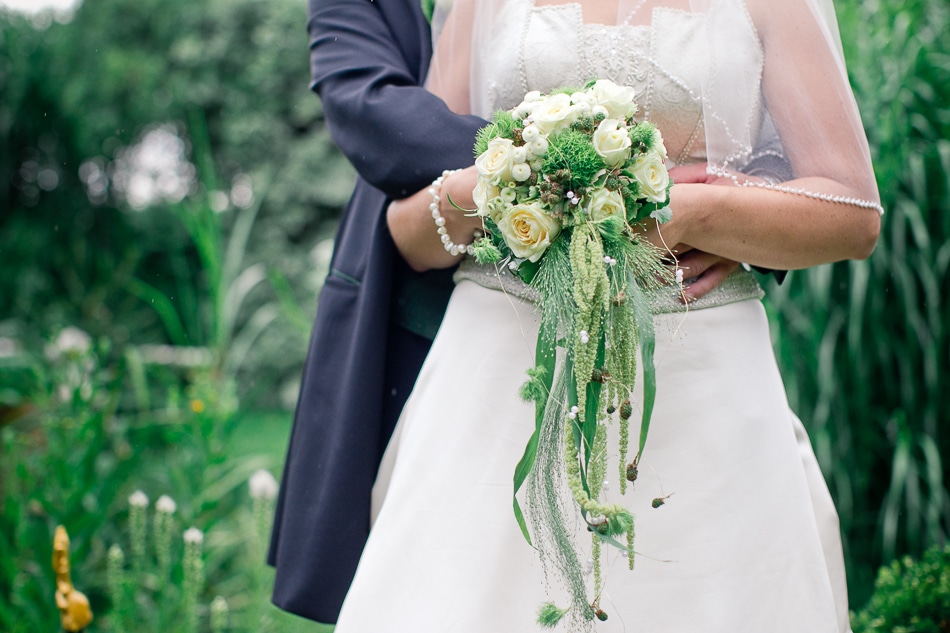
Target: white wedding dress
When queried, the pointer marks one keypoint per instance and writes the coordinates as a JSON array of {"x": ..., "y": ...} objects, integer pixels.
[{"x": 747, "y": 541}]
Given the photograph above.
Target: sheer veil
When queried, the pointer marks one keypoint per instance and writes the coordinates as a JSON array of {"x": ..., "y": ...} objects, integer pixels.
[{"x": 777, "y": 108}]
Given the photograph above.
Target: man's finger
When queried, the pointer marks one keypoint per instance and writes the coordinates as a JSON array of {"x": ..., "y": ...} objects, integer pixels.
[
  {"x": 694, "y": 263},
  {"x": 710, "y": 278}
]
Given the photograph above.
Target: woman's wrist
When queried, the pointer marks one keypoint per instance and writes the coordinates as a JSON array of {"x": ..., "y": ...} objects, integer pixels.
[{"x": 441, "y": 200}]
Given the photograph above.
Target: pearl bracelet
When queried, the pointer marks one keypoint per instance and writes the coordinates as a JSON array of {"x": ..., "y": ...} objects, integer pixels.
[{"x": 447, "y": 243}]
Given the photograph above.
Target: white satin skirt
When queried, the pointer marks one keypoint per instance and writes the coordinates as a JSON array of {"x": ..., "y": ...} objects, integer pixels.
[{"x": 747, "y": 541}]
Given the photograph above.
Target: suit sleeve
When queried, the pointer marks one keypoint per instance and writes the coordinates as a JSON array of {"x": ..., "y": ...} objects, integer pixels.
[{"x": 396, "y": 134}]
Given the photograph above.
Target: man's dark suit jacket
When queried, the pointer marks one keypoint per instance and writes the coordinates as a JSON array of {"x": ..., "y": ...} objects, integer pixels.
[{"x": 368, "y": 60}]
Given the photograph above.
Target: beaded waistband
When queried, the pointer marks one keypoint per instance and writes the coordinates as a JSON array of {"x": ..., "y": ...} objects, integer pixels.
[{"x": 739, "y": 286}]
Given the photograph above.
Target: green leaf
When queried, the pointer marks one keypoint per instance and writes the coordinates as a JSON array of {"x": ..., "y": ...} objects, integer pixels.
[
  {"x": 544, "y": 357},
  {"x": 644, "y": 319}
]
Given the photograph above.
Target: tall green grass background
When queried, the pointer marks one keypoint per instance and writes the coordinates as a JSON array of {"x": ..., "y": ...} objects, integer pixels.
[{"x": 864, "y": 345}]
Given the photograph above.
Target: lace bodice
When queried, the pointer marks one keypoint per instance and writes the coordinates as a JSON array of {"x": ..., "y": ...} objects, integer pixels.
[{"x": 546, "y": 47}]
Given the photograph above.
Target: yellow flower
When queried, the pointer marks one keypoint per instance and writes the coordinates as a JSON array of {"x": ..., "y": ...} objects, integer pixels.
[{"x": 528, "y": 230}]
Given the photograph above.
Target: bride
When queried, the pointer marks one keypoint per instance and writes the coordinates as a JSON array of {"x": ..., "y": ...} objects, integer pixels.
[{"x": 772, "y": 168}]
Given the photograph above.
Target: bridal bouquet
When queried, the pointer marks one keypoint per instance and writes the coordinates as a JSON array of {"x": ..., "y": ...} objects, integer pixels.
[{"x": 565, "y": 181}]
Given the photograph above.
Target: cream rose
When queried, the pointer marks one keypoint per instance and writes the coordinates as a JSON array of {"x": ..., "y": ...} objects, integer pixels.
[
  {"x": 658, "y": 146},
  {"x": 605, "y": 204},
  {"x": 554, "y": 112},
  {"x": 618, "y": 100},
  {"x": 483, "y": 194},
  {"x": 528, "y": 230},
  {"x": 612, "y": 142},
  {"x": 496, "y": 161},
  {"x": 650, "y": 171}
]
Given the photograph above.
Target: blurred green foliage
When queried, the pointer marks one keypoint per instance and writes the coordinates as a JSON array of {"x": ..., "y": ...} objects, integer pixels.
[
  {"x": 229, "y": 77},
  {"x": 910, "y": 596},
  {"x": 85, "y": 446},
  {"x": 865, "y": 346}
]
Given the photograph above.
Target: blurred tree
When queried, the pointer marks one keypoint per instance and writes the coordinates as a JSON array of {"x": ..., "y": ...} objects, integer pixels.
[{"x": 229, "y": 77}]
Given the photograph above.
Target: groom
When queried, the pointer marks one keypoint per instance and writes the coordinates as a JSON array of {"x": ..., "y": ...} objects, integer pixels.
[{"x": 376, "y": 317}]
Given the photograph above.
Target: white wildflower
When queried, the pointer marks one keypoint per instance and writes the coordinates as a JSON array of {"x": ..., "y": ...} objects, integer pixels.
[
  {"x": 194, "y": 536},
  {"x": 138, "y": 499},
  {"x": 166, "y": 504},
  {"x": 263, "y": 485}
]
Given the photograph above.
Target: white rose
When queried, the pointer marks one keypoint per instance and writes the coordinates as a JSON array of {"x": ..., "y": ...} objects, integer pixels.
[
  {"x": 658, "y": 145},
  {"x": 520, "y": 172},
  {"x": 528, "y": 230},
  {"x": 553, "y": 113},
  {"x": 483, "y": 194},
  {"x": 495, "y": 162},
  {"x": 605, "y": 203},
  {"x": 651, "y": 173},
  {"x": 612, "y": 142},
  {"x": 618, "y": 100}
]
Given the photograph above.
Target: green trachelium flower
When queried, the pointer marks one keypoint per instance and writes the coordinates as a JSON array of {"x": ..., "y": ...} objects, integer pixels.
[{"x": 571, "y": 151}]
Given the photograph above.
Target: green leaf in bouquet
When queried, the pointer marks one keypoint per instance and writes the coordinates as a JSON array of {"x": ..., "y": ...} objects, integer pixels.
[
  {"x": 644, "y": 320},
  {"x": 543, "y": 374}
]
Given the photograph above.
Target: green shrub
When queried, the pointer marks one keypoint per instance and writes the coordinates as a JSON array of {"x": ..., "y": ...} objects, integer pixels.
[{"x": 910, "y": 597}]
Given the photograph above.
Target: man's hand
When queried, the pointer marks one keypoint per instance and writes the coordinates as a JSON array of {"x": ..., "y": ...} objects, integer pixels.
[{"x": 704, "y": 271}]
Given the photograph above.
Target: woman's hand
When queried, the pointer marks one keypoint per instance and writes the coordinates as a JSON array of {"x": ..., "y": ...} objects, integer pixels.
[
  {"x": 703, "y": 271},
  {"x": 414, "y": 231}
]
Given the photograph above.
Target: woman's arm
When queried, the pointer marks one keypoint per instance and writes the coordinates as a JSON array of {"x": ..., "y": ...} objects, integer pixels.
[
  {"x": 766, "y": 227},
  {"x": 413, "y": 227},
  {"x": 810, "y": 102}
]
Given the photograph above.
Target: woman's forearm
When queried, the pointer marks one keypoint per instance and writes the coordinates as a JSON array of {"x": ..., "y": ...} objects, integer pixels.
[
  {"x": 413, "y": 228},
  {"x": 770, "y": 228}
]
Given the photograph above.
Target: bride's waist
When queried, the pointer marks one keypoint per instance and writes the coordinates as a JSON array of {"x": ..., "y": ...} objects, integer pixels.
[{"x": 741, "y": 285}]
